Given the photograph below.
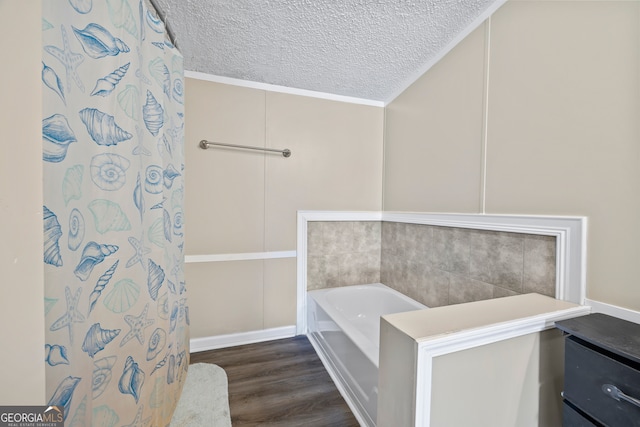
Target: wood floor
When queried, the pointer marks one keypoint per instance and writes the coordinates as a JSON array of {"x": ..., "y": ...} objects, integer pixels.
[{"x": 279, "y": 383}]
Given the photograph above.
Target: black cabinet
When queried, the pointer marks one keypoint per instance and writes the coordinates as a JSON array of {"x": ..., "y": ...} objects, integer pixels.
[{"x": 602, "y": 372}]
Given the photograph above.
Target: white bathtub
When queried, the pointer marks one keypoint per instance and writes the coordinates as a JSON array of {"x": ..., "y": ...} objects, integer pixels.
[{"x": 344, "y": 327}]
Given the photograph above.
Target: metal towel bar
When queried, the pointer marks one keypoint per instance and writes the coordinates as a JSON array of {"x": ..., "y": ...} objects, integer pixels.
[{"x": 204, "y": 144}]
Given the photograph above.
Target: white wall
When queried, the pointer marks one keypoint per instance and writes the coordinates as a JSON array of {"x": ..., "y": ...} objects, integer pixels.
[{"x": 22, "y": 303}]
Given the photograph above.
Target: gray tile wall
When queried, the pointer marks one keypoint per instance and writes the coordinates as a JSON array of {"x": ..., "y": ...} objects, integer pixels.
[{"x": 434, "y": 265}]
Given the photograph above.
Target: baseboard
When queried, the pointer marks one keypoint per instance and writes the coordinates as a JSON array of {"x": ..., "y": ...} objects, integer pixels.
[
  {"x": 613, "y": 310},
  {"x": 241, "y": 338}
]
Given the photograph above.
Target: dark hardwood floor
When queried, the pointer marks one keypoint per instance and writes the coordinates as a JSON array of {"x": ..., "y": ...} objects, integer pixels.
[{"x": 279, "y": 383}]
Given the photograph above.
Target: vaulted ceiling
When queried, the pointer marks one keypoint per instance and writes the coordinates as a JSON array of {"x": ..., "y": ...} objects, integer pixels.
[{"x": 367, "y": 49}]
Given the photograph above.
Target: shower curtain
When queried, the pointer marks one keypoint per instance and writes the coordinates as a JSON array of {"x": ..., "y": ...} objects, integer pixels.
[{"x": 113, "y": 137}]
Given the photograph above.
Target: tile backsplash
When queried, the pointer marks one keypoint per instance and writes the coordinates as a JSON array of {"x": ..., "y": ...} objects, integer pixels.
[{"x": 434, "y": 265}]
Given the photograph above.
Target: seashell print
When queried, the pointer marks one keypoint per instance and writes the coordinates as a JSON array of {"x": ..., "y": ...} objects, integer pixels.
[
  {"x": 166, "y": 224},
  {"x": 103, "y": 416},
  {"x": 108, "y": 171},
  {"x": 177, "y": 223},
  {"x": 63, "y": 394},
  {"x": 140, "y": 148},
  {"x": 161, "y": 363},
  {"x": 82, "y": 6},
  {"x": 79, "y": 417},
  {"x": 168, "y": 175},
  {"x": 76, "y": 229},
  {"x": 152, "y": 114},
  {"x": 171, "y": 369},
  {"x": 163, "y": 306},
  {"x": 123, "y": 296},
  {"x": 177, "y": 198},
  {"x": 159, "y": 205},
  {"x": 156, "y": 233},
  {"x": 56, "y": 355},
  {"x": 56, "y": 137},
  {"x": 129, "y": 101},
  {"x": 157, "y": 341},
  {"x": 122, "y": 16},
  {"x": 159, "y": 45},
  {"x": 138, "y": 198},
  {"x": 48, "y": 304},
  {"x": 186, "y": 316},
  {"x": 107, "y": 84},
  {"x": 102, "y": 283},
  {"x": 72, "y": 184},
  {"x": 92, "y": 254},
  {"x": 98, "y": 42},
  {"x": 46, "y": 25},
  {"x": 178, "y": 91},
  {"x": 102, "y": 374},
  {"x": 173, "y": 319},
  {"x": 164, "y": 146},
  {"x": 108, "y": 216},
  {"x": 171, "y": 286},
  {"x": 132, "y": 379},
  {"x": 155, "y": 278},
  {"x": 52, "y": 81},
  {"x": 97, "y": 339},
  {"x": 155, "y": 23},
  {"x": 102, "y": 127},
  {"x": 52, "y": 233},
  {"x": 153, "y": 179},
  {"x": 160, "y": 74}
]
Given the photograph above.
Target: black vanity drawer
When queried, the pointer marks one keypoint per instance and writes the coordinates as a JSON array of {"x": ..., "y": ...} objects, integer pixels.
[
  {"x": 572, "y": 418},
  {"x": 587, "y": 371}
]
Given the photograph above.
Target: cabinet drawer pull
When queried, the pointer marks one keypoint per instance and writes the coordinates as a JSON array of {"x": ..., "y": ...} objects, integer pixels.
[{"x": 617, "y": 394}]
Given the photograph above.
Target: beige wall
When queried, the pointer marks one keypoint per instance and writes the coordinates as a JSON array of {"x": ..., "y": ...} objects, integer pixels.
[
  {"x": 22, "y": 303},
  {"x": 549, "y": 92},
  {"x": 244, "y": 202}
]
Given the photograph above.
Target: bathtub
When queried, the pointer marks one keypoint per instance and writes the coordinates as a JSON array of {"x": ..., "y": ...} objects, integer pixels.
[{"x": 343, "y": 325}]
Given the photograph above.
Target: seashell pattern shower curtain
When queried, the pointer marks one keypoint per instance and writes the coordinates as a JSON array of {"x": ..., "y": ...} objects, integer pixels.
[{"x": 112, "y": 148}]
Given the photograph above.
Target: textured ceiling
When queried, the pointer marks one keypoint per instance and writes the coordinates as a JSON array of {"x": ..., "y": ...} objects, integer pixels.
[{"x": 368, "y": 49}]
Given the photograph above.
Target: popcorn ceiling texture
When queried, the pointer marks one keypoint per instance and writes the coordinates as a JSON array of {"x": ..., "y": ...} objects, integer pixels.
[{"x": 367, "y": 49}]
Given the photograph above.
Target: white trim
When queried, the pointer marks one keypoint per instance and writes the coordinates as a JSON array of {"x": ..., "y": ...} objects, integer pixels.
[
  {"x": 613, "y": 310},
  {"x": 282, "y": 89},
  {"x": 443, "y": 52},
  {"x": 463, "y": 340},
  {"x": 242, "y": 338},
  {"x": 239, "y": 257}
]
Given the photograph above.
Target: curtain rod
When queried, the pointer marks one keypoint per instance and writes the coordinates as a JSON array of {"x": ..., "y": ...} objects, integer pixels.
[{"x": 204, "y": 144}]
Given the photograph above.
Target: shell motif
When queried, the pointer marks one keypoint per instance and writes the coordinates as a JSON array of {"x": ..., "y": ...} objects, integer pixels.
[
  {"x": 171, "y": 370},
  {"x": 79, "y": 417},
  {"x": 160, "y": 74},
  {"x": 52, "y": 233},
  {"x": 102, "y": 283},
  {"x": 154, "y": 23},
  {"x": 153, "y": 179},
  {"x": 56, "y": 137},
  {"x": 157, "y": 341},
  {"x": 76, "y": 229},
  {"x": 178, "y": 91},
  {"x": 107, "y": 84},
  {"x": 48, "y": 304},
  {"x": 46, "y": 25},
  {"x": 98, "y": 42},
  {"x": 97, "y": 339},
  {"x": 173, "y": 319},
  {"x": 92, "y": 254},
  {"x": 166, "y": 224},
  {"x": 155, "y": 278},
  {"x": 164, "y": 146},
  {"x": 52, "y": 81},
  {"x": 103, "y": 416},
  {"x": 56, "y": 354},
  {"x": 132, "y": 379},
  {"x": 129, "y": 101},
  {"x": 171, "y": 286},
  {"x": 138, "y": 198},
  {"x": 102, "y": 374},
  {"x": 152, "y": 114},
  {"x": 108, "y": 216},
  {"x": 168, "y": 175},
  {"x": 159, "y": 45},
  {"x": 63, "y": 394},
  {"x": 102, "y": 127},
  {"x": 108, "y": 171},
  {"x": 163, "y": 306},
  {"x": 122, "y": 16},
  {"x": 82, "y": 6},
  {"x": 156, "y": 233},
  {"x": 123, "y": 296},
  {"x": 72, "y": 184}
]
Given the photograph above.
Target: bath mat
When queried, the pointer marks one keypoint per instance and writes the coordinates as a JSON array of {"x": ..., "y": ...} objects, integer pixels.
[{"x": 205, "y": 398}]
